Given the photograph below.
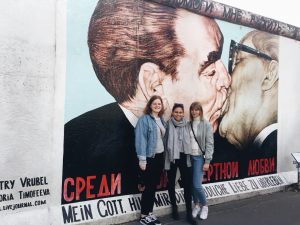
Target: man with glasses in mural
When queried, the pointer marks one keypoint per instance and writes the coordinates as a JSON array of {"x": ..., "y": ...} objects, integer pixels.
[
  {"x": 140, "y": 49},
  {"x": 250, "y": 112}
]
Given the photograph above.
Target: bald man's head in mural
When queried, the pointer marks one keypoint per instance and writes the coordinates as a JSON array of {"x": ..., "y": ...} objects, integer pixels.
[
  {"x": 251, "y": 108},
  {"x": 139, "y": 49}
]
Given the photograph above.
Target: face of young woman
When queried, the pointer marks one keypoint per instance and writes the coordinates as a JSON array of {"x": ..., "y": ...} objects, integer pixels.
[
  {"x": 178, "y": 114},
  {"x": 195, "y": 113},
  {"x": 156, "y": 106}
]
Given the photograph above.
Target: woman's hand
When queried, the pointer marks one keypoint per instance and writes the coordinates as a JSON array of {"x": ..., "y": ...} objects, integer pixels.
[
  {"x": 142, "y": 166},
  {"x": 205, "y": 166}
]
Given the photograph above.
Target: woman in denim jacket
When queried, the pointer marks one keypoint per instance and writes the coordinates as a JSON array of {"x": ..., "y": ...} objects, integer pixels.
[
  {"x": 149, "y": 145},
  {"x": 202, "y": 143}
]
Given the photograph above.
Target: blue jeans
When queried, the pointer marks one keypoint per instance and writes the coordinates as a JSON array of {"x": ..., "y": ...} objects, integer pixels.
[{"x": 198, "y": 191}]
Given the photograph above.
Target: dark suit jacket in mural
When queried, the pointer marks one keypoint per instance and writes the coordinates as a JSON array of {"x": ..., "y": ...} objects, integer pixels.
[
  {"x": 100, "y": 142},
  {"x": 262, "y": 159}
]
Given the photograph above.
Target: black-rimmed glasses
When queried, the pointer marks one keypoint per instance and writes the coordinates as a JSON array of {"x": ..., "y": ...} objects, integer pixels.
[{"x": 234, "y": 47}]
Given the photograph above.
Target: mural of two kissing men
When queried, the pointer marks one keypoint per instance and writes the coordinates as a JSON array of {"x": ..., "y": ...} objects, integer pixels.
[{"x": 139, "y": 49}]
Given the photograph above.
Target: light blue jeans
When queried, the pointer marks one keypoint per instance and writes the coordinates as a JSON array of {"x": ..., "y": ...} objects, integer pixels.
[{"x": 198, "y": 191}]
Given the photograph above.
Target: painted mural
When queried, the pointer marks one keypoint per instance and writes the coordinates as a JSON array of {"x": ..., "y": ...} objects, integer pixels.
[
  {"x": 135, "y": 49},
  {"x": 117, "y": 54}
]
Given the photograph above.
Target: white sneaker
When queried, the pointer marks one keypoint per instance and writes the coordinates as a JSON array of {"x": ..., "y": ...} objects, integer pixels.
[
  {"x": 196, "y": 211},
  {"x": 154, "y": 219},
  {"x": 204, "y": 213},
  {"x": 146, "y": 221}
]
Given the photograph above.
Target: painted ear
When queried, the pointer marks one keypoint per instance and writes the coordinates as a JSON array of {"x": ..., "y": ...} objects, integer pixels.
[
  {"x": 271, "y": 77},
  {"x": 150, "y": 78}
]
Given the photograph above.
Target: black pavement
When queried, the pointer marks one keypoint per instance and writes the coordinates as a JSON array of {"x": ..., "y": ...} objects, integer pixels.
[{"x": 279, "y": 208}]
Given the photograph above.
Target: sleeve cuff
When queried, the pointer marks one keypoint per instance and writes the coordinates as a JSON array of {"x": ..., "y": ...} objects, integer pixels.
[
  {"x": 142, "y": 158},
  {"x": 207, "y": 161}
]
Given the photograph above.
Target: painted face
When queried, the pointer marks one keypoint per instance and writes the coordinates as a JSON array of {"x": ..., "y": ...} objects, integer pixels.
[
  {"x": 178, "y": 114},
  {"x": 201, "y": 74},
  {"x": 239, "y": 123},
  {"x": 156, "y": 106}
]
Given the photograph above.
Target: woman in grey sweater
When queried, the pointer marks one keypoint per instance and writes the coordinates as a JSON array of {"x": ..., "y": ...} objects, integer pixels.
[{"x": 202, "y": 144}]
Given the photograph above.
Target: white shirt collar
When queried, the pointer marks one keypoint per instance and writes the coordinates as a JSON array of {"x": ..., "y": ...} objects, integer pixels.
[
  {"x": 133, "y": 119},
  {"x": 264, "y": 134}
]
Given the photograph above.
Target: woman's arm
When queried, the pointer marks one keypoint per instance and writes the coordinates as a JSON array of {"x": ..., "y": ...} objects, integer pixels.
[
  {"x": 209, "y": 143},
  {"x": 141, "y": 141}
]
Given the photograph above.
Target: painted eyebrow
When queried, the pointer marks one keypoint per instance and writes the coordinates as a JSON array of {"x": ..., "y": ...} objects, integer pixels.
[{"x": 211, "y": 58}]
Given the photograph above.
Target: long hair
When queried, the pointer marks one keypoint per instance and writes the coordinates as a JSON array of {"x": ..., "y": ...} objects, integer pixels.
[
  {"x": 148, "y": 109},
  {"x": 197, "y": 106}
]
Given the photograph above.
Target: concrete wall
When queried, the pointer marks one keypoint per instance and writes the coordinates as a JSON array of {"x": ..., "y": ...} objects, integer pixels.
[
  {"x": 32, "y": 74},
  {"x": 32, "y": 85}
]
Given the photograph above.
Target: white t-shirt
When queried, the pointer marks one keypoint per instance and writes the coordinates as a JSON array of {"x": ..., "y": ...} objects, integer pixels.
[{"x": 195, "y": 146}]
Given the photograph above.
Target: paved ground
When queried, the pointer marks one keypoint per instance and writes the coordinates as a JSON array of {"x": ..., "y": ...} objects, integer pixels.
[{"x": 280, "y": 208}]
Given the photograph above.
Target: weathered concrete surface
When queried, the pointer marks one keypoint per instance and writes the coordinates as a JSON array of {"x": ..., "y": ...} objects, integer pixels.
[{"x": 278, "y": 208}]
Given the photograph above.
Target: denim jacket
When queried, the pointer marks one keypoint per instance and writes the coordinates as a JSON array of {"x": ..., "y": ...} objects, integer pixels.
[{"x": 146, "y": 137}]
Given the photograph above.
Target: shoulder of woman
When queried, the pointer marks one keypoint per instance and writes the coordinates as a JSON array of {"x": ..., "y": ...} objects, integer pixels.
[
  {"x": 204, "y": 120},
  {"x": 144, "y": 118},
  {"x": 207, "y": 123}
]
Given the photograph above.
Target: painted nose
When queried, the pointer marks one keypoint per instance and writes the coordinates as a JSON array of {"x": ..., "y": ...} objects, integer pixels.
[{"x": 224, "y": 79}]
